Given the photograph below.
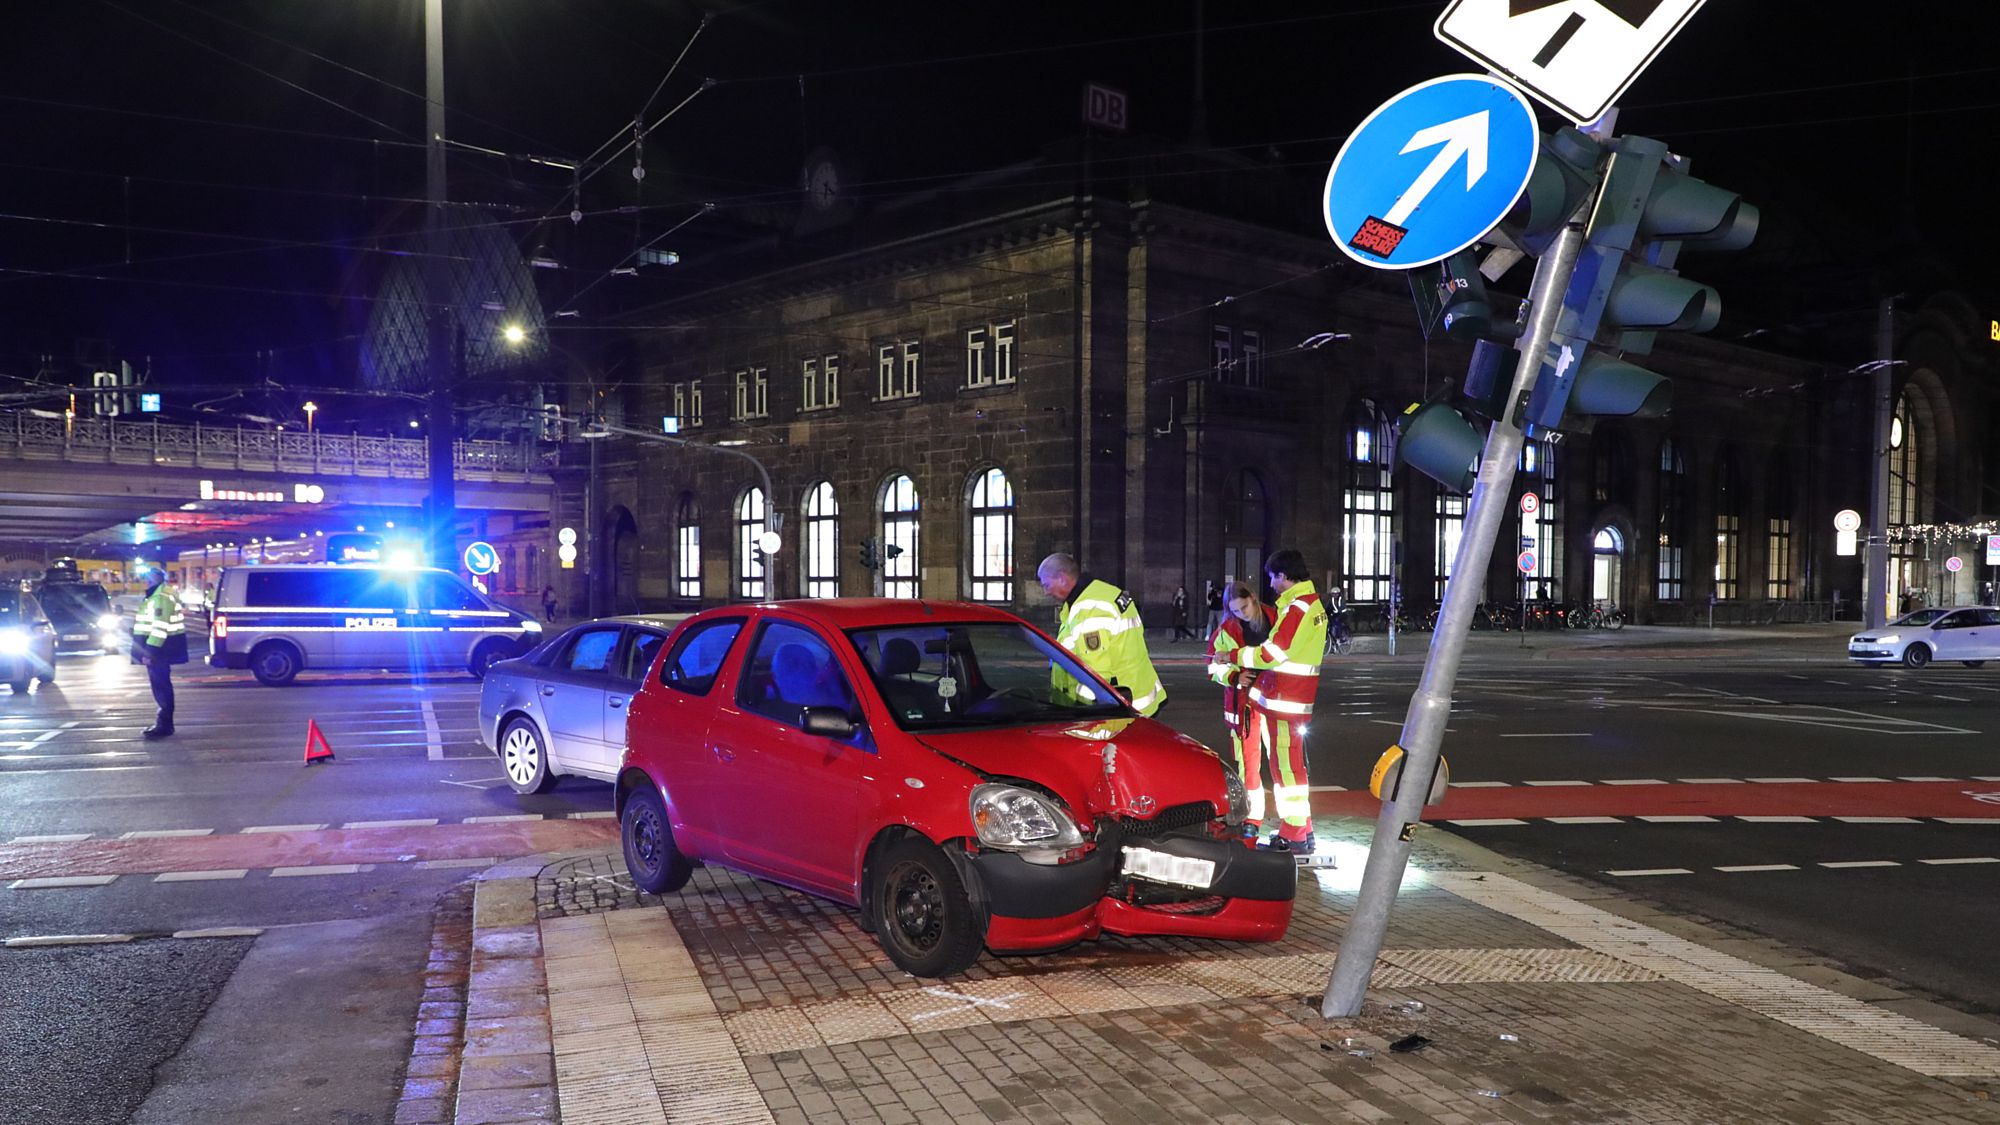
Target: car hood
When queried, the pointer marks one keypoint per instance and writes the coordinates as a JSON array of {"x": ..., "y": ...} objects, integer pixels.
[{"x": 1119, "y": 768}]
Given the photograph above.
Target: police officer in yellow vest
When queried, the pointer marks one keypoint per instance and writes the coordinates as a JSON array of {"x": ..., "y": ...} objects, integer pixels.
[
  {"x": 159, "y": 641},
  {"x": 1099, "y": 623}
]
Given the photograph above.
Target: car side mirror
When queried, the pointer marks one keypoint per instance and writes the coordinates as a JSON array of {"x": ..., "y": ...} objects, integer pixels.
[{"x": 827, "y": 722}]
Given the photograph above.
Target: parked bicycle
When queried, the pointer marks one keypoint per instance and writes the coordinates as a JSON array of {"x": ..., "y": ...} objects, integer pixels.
[{"x": 1598, "y": 616}]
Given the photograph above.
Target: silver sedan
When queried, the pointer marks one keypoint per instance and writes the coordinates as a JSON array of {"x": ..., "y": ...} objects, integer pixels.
[{"x": 560, "y": 709}]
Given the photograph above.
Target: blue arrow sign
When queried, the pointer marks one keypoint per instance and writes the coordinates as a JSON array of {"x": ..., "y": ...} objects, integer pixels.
[
  {"x": 481, "y": 558},
  {"x": 1430, "y": 171}
]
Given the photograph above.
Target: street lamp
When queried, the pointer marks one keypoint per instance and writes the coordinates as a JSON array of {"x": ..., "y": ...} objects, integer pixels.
[{"x": 311, "y": 408}]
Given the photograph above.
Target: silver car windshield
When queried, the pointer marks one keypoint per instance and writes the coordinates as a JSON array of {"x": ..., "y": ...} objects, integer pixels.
[{"x": 958, "y": 675}]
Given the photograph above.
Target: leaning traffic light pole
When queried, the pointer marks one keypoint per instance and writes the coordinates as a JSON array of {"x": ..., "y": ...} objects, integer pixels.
[{"x": 1430, "y": 708}]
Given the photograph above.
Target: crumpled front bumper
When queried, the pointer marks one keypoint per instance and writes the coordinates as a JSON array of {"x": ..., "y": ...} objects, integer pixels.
[{"x": 1033, "y": 907}]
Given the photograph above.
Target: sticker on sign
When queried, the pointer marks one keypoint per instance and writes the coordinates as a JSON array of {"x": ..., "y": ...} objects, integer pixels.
[{"x": 1575, "y": 56}]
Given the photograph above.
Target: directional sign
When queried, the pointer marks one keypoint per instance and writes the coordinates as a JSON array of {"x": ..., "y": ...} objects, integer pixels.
[
  {"x": 481, "y": 558},
  {"x": 1430, "y": 171},
  {"x": 1575, "y": 56},
  {"x": 1526, "y": 562}
]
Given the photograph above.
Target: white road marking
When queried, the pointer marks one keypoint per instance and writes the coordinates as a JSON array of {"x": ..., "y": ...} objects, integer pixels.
[
  {"x": 1631, "y": 781},
  {"x": 166, "y": 833},
  {"x": 283, "y": 828},
  {"x": 1482, "y": 784},
  {"x": 1778, "y": 819},
  {"x": 1583, "y": 820},
  {"x": 1651, "y": 871},
  {"x": 477, "y": 782},
  {"x": 594, "y": 814},
  {"x": 1967, "y": 819},
  {"x": 417, "y": 822},
  {"x": 508, "y": 819},
  {"x": 1709, "y": 780},
  {"x": 1493, "y": 822},
  {"x": 437, "y": 864},
  {"x": 433, "y": 742},
  {"x": 1878, "y": 820},
  {"x": 1863, "y": 863},
  {"x": 1961, "y": 859},
  {"x": 66, "y": 838},
  {"x": 67, "y": 939},
  {"x": 1678, "y": 819},
  {"x": 1864, "y": 780},
  {"x": 321, "y": 869},
  {"x": 49, "y": 881},
  {"x": 1926, "y": 779},
  {"x": 221, "y": 931},
  {"x": 1552, "y": 784},
  {"x": 200, "y": 876},
  {"x": 1758, "y": 867},
  {"x": 1551, "y": 734}
]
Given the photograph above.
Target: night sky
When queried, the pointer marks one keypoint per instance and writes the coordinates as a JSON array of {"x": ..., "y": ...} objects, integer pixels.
[{"x": 215, "y": 186}]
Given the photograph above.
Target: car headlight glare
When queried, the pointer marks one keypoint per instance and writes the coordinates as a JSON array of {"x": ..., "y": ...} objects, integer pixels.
[
  {"x": 531, "y": 626},
  {"x": 13, "y": 642},
  {"x": 1891, "y": 639},
  {"x": 1239, "y": 797},
  {"x": 107, "y": 621},
  {"x": 1015, "y": 819}
]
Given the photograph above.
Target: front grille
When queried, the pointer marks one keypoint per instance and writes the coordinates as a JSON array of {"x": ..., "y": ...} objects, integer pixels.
[{"x": 1170, "y": 820}]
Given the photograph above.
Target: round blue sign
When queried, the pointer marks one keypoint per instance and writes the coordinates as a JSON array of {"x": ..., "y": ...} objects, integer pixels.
[
  {"x": 1430, "y": 171},
  {"x": 481, "y": 558}
]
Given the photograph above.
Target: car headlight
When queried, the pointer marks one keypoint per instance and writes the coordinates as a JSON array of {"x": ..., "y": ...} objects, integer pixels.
[
  {"x": 1239, "y": 797},
  {"x": 107, "y": 621},
  {"x": 1010, "y": 818},
  {"x": 530, "y": 625},
  {"x": 1891, "y": 639},
  {"x": 13, "y": 642}
]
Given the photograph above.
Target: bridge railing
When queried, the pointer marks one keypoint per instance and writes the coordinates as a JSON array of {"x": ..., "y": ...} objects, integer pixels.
[{"x": 38, "y": 437}]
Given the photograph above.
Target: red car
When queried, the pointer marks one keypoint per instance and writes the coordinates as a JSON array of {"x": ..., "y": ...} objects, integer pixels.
[{"x": 946, "y": 768}]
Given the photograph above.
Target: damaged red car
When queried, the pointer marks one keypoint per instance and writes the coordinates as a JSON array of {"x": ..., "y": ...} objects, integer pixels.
[{"x": 947, "y": 769}]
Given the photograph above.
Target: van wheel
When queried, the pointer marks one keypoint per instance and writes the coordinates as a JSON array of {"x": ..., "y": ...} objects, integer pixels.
[
  {"x": 486, "y": 656},
  {"x": 275, "y": 663},
  {"x": 1916, "y": 656},
  {"x": 657, "y": 866},
  {"x": 923, "y": 916},
  {"x": 525, "y": 759}
]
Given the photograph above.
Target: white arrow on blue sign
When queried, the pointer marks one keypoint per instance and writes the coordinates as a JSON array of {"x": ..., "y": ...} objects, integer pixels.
[
  {"x": 481, "y": 558},
  {"x": 1430, "y": 171}
]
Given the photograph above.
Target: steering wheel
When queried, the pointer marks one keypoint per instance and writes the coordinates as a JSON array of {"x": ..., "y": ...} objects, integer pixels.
[{"x": 1015, "y": 693}]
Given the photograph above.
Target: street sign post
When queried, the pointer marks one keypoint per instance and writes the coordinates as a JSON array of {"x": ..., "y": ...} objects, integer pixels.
[
  {"x": 1526, "y": 561},
  {"x": 1430, "y": 171},
  {"x": 1574, "y": 56},
  {"x": 1993, "y": 550},
  {"x": 1530, "y": 503}
]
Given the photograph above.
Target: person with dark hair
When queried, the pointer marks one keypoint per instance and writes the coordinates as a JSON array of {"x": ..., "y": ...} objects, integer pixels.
[
  {"x": 1181, "y": 630},
  {"x": 1248, "y": 624},
  {"x": 1214, "y": 596},
  {"x": 1281, "y": 697}
]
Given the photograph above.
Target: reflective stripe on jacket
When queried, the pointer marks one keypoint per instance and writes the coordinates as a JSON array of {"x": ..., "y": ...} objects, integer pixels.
[
  {"x": 159, "y": 617},
  {"x": 1222, "y": 667},
  {"x": 1290, "y": 658},
  {"x": 1099, "y": 623}
]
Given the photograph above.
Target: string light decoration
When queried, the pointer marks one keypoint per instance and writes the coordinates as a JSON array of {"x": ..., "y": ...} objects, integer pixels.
[{"x": 1943, "y": 532}]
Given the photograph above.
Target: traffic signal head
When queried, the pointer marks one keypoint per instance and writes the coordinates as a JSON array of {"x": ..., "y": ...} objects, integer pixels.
[
  {"x": 1465, "y": 310},
  {"x": 870, "y": 556},
  {"x": 1564, "y": 175},
  {"x": 1438, "y": 442},
  {"x": 1625, "y": 288}
]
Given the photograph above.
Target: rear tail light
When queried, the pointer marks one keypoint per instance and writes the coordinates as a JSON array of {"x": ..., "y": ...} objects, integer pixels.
[{"x": 221, "y": 628}]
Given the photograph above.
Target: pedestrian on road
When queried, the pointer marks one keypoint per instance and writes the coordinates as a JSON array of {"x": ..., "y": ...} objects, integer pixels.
[
  {"x": 1214, "y": 597},
  {"x": 1181, "y": 630},
  {"x": 1248, "y": 624},
  {"x": 159, "y": 641},
  {"x": 1099, "y": 624},
  {"x": 549, "y": 603},
  {"x": 1281, "y": 699}
]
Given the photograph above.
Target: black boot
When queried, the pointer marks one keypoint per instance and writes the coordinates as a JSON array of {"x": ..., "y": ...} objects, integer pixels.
[{"x": 163, "y": 727}]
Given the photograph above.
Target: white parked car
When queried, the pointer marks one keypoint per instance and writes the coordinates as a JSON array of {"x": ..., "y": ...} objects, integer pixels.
[
  {"x": 1969, "y": 635},
  {"x": 561, "y": 708}
]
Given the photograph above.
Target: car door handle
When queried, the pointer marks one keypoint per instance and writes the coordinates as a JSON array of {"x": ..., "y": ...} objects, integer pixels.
[
  {"x": 548, "y": 691},
  {"x": 615, "y": 701},
  {"x": 724, "y": 753}
]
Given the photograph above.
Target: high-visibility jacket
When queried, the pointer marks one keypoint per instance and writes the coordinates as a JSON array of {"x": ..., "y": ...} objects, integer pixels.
[
  {"x": 1290, "y": 658},
  {"x": 1222, "y": 667},
  {"x": 160, "y": 625},
  {"x": 1099, "y": 623}
]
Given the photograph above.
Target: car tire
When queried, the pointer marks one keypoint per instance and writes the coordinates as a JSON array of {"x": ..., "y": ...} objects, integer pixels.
[
  {"x": 49, "y": 676},
  {"x": 923, "y": 916},
  {"x": 1916, "y": 656},
  {"x": 275, "y": 663},
  {"x": 524, "y": 758},
  {"x": 657, "y": 866},
  {"x": 20, "y": 686},
  {"x": 1972, "y": 663},
  {"x": 486, "y": 656}
]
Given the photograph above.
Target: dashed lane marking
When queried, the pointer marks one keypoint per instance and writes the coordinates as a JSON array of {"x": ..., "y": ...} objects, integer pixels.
[
  {"x": 1636, "y": 872},
  {"x": 1745, "y": 867},
  {"x": 1779, "y": 780},
  {"x": 1678, "y": 818},
  {"x": 1845, "y": 863},
  {"x": 50, "y": 882},
  {"x": 200, "y": 876},
  {"x": 1553, "y": 784},
  {"x": 322, "y": 869},
  {"x": 166, "y": 833},
  {"x": 1632, "y": 781},
  {"x": 42, "y": 941},
  {"x": 1961, "y": 859},
  {"x": 255, "y": 828},
  {"x": 1878, "y": 820},
  {"x": 1709, "y": 780},
  {"x": 1584, "y": 820},
  {"x": 61, "y": 838},
  {"x": 508, "y": 819},
  {"x": 1778, "y": 819},
  {"x": 414, "y": 822},
  {"x": 1490, "y": 822},
  {"x": 1550, "y": 734}
]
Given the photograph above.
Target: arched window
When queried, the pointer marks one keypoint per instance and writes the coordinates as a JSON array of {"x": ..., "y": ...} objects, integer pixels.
[
  {"x": 687, "y": 547},
  {"x": 1728, "y": 530},
  {"x": 1672, "y": 583},
  {"x": 821, "y": 542},
  {"x": 991, "y": 506},
  {"x": 749, "y": 558},
  {"x": 1903, "y": 459},
  {"x": 1369, "y": 505},
  {"x": 902, "y": 574}
]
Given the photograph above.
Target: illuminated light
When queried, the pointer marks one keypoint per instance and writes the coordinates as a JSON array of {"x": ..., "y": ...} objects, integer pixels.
[
  {"x": 413, "y": 423},
  {"x": 514, "y": 333},
  {"x": 567, "y": 536},
  {"x": 316, "y": 532},
  {"x": 402, "y": 558},
  {"x": 391, "y": 523},
  {"x": 769, "y": 542}
]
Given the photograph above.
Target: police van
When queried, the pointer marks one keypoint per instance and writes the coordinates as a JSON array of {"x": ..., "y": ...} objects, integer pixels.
[{"x": 277, "y": 619}]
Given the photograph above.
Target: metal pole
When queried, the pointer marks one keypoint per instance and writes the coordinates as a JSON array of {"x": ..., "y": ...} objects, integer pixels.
[
  {"x": 444, "y": 338},
  {"x": 1875, "y": 583},
  {"x": 593, "y": 598},
  {"x": 1430, "y": 707}
]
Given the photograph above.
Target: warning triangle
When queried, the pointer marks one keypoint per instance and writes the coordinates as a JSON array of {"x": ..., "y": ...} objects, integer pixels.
[{"x": 316, "y": 744}]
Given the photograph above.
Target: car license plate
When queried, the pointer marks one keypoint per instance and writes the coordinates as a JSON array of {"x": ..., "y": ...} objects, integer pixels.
[
  {"x": 1163, "y": 868},
  {"x": 76, "y": 636}
]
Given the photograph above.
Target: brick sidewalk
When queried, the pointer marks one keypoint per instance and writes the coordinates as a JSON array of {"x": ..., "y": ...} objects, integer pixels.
[{"x": 1544, "y": 999}]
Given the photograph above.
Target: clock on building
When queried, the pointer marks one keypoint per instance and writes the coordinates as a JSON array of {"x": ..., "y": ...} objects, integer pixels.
[{"x": 822, "y": 184}]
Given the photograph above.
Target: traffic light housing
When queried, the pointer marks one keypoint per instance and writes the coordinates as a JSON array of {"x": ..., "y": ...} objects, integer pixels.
[
  {"x": 551, "y": 420},
  {"x": 1433, "y": 437},
  {"x": 871, "y": 554},
  {"x": 1438, "y": 442},
  {"x": 1626, "y": 288}
]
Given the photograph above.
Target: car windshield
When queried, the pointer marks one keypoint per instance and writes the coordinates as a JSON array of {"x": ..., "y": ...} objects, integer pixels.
[
  {"x": 953, "y": 675},
  {"x": 1921, "y": 616},
  {"x": 75, "y": 601}
]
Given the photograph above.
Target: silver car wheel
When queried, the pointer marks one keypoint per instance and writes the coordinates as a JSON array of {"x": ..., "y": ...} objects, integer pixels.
[{"x": 521, "y": 755}]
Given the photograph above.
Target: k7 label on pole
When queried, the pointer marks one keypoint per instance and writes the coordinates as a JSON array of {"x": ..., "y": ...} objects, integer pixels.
[
  {"x": 1575, "y": 56},
  {"x": 1430, "y": 171}
]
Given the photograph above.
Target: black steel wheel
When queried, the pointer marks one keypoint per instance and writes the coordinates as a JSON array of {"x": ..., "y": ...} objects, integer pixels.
[
  {"x": 1916, "y": 656},
  {"x": 275, "y": 663},
  {"x": 657, "y": 866},
  {"x": 923, "y": 916}
]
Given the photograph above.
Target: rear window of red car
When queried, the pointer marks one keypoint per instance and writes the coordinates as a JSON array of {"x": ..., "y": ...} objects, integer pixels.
[{"x": 698, "y": 654}]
